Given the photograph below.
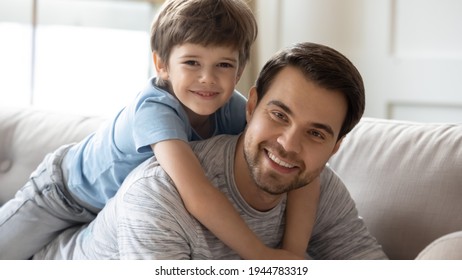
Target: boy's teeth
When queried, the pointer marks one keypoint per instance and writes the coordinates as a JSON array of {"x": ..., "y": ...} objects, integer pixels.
[
  {"x": 278, "y": 161},
  {"x": 203, "y": 93}
]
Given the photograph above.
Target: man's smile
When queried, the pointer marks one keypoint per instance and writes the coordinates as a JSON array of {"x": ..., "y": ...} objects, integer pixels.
[{"x": 281, "y": 165}]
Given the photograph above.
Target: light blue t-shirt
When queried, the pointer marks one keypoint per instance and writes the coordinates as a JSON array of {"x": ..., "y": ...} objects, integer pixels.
[{"x": 97, "y": 166}]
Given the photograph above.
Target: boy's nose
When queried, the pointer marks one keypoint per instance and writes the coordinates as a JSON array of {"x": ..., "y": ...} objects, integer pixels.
[{"x": 207, "y": 75}]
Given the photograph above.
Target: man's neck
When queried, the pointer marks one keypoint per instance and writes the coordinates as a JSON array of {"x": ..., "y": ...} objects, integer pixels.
[{"x": 252, "y": 194}]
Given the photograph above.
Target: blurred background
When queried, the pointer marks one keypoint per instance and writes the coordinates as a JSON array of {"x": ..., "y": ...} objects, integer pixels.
[{"x": 92, "y": 56}]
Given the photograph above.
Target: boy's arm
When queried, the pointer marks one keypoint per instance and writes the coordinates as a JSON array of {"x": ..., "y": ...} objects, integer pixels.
[
  {"x": 207, "y": 204},
  {"x": 302, "y": 205}
]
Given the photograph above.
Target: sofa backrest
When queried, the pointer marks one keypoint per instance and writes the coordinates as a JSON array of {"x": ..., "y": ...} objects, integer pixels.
[
  {"x": 406, "y": 179},
  {"x": 26, "y": 135}
]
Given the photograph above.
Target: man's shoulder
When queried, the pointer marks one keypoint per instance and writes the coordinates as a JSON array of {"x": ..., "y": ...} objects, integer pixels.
[
  {"x": 332, "y": 187},
  {"x": 214, "y": 151},
  {"x": 330, "y": 179},
  {"x": 218, "y": 142}
]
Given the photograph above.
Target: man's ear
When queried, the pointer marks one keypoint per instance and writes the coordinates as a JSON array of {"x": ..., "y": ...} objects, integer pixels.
[
  {"x": 160, "y": 65},
  {"x": 337, "y": 146},
  {"x": 251, "y": 103}
]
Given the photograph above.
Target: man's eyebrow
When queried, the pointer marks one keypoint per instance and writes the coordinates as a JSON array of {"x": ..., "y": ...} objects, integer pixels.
[
  {"x": 281, "y": 105},
  {"x": 325, "y": 127},
  {"x": 284, "y": 107}
]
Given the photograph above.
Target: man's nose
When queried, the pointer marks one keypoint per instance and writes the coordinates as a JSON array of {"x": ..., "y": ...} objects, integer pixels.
[{"x": 291, "y": 140}]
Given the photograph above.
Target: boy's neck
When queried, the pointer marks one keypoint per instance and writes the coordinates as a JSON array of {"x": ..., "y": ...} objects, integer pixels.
[{"x": 202, "y": 125}]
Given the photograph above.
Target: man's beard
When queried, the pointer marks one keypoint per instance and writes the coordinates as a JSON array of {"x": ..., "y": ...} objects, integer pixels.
[{"x": 270, "y": 182}]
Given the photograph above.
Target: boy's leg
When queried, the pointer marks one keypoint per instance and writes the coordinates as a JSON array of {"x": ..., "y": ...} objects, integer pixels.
[{"x": 39, "y": 211}]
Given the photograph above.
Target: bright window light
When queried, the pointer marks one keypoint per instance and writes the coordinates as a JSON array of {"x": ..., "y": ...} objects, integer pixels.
[
  {"x": 15, "y": 64},
  {"x": 89, "y": 70},
  {"x": 83, "y": 57}
]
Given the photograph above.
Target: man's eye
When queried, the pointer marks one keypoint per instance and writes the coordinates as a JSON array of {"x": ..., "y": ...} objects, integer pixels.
[
  {"x": 279, "y": 115},
  {"x": 316, "y": 134}
]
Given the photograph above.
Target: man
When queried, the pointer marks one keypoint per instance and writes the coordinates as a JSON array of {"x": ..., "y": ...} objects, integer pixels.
[{"x": 307, "y": 98}]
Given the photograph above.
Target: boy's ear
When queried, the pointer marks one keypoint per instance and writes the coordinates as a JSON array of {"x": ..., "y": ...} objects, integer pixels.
[
  {"x": 161, "y": 66},
  {"x": 251, "y": 103}
]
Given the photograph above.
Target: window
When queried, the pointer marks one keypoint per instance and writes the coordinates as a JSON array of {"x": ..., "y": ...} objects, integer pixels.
[{"x": 85, "y": 57}]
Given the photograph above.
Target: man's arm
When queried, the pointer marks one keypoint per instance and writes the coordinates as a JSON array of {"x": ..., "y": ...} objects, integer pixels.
[{"x": 339, "y": 232}]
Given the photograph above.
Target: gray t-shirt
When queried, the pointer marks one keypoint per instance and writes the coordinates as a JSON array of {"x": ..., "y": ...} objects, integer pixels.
[{"x": 147, "y": 220}]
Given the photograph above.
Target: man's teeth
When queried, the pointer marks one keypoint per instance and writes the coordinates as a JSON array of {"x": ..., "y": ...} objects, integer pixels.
[{"x": 278, "y": 161}]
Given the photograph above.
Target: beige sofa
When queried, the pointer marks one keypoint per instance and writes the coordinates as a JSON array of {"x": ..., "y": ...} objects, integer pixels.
[{"x": 405, "y": 177}]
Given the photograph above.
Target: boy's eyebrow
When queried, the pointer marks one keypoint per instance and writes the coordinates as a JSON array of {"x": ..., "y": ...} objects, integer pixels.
[
  {"x": 231, "y": 59},
  {"x": 284, "y": 107}
]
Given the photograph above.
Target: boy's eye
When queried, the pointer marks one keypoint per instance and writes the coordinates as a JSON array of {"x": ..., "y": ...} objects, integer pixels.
[
  {"x": 191, "y": 62},
  {"x": 225, "y": 65}
]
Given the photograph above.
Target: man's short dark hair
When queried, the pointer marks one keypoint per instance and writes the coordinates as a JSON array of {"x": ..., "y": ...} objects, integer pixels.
[{"x": 325, "y": 67}]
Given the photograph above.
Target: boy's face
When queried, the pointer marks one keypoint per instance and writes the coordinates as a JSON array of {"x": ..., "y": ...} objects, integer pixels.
[
  {"x": 292, "y": 132},
  {"x": 202, "y": 78}
]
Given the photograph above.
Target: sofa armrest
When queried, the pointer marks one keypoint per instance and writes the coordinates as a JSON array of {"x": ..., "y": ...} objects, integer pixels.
[
  {"x": 28, "y": 134},
  {"x": 447, "y": 247}
]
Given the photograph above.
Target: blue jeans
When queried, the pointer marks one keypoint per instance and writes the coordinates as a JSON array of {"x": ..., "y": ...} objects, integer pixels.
[{"x": 40, "y": 210}]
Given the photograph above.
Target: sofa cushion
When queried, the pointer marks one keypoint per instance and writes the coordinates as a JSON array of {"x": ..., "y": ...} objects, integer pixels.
[
  {"x": 406, "y": 178},
  {"x": 447, "y": 247},
  {"x": 26, "y": 135}
]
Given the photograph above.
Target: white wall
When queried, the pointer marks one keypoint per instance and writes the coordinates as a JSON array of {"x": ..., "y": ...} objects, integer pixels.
[{"x": 408, "y": 51}]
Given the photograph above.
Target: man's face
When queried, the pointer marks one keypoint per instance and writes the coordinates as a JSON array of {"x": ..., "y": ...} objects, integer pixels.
[{"x": 292, "y": 132}]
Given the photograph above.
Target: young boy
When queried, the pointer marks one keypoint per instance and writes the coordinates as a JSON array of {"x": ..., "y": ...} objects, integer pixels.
[{"x": 200, "y": 48}]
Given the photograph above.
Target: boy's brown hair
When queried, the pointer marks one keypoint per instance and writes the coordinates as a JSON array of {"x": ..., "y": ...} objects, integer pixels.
[{"x": 204, "y": 22}]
